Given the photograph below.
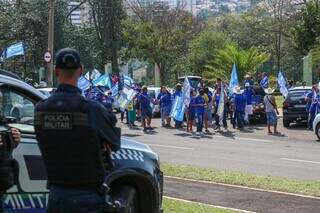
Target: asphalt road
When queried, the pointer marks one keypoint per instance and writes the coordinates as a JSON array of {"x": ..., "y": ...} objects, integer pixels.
[
  {"x": 239, "y": 198},
  {"x": 295, "y": 154}
]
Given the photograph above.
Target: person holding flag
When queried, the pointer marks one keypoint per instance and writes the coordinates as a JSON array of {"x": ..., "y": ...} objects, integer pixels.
[
  {"x": 220, "y": 99},
  {"x": 177, "y": 93},
  {"x": 264, "y": 83}
]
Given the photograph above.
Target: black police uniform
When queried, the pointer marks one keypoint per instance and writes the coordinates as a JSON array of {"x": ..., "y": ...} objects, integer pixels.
[{"x": 72, "y": 133}]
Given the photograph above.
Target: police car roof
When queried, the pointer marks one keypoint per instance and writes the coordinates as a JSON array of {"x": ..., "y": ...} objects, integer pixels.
[{"x": 16, "y": 82}]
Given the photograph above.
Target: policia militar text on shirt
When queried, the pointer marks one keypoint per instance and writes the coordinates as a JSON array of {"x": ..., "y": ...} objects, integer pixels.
[{"x": 74, "y": 135}]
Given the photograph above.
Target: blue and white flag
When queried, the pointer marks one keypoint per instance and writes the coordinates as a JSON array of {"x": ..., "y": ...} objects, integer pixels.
[
  {"x": 178, "y": 108},
  {"x": 115, "y": 89},
  {"x": 125, "y": 97},
  {"x": 264, "y": 83},
  {"x": 103, "y": 80},
  {"x": 14, "y": 50},
  {"x": 83, "y": 83},
  {"x": 221, "y": 106},
  {"x": 233, "y": 80},
  {"x": 282, "y": 84},
  {"x": 127, "y": 80},
  {"x": 93, "y": 75},
  {"x": 186, "y": 89}
]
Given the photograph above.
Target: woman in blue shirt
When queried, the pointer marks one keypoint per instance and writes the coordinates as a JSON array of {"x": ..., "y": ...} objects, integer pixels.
[{"x": 165, "y": 106}]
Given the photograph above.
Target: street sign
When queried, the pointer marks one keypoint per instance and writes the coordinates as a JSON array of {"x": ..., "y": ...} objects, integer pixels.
[{"x": 47, "y": 57}]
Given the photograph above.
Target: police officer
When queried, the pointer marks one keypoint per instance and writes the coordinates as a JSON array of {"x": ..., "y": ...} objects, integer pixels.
[
  {"x": 6, "y": 160},
  {"x": 73, "y": 134}
]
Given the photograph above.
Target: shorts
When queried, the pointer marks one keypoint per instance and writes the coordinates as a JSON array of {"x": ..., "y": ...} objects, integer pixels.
[
  {"x": 249, "y": 109},
  {"x": 146, "y": 113},
  {"x": 272, "y": 118},
  {"x": 192, "y": 116},
  {"x": 166, "y": 111}
]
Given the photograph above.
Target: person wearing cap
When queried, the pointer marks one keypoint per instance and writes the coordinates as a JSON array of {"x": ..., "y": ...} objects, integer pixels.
[
  {"x": 271, "y": 110},
  {"x": 178, "y": 93},
  {"x": 248, "y": 79},
  {"x": 76, "y": 137},
  {"x": 249, "y": 93},
  {"x": 107, "y": 100},
  {"x": 146, "y": 110},
  {"x": 240, "y": 103}
]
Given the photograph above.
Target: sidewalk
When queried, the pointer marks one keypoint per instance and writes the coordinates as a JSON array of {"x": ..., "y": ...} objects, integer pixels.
[{"x": 239, "y": 197}]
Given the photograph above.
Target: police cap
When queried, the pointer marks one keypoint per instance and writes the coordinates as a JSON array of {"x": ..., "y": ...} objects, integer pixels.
[{"x": 68, "y": 59}]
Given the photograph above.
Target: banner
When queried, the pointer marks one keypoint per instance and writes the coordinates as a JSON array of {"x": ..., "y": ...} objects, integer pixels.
[
  {"x": 186, "y": 89},
  {"x": 178, "y": 107},
  {"x": 115, "y": 89},
  {"x": 282, "y": 84},
  {"x": 221, "y": 104},
  {"x": 125, "y": 97},
  {"x": 13, "y": 50},
  {"x": 233, "y": 79}
]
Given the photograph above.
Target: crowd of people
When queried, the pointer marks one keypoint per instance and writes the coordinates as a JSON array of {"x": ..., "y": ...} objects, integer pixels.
[{"x": 206, "y": 109}]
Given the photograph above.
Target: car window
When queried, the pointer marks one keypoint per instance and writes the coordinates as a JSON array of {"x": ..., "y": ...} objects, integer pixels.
[
  {"x": 298, "y": 95},
  {"x": 16, "y": 105}
]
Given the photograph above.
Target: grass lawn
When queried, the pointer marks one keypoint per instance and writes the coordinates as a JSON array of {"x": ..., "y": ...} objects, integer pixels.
[
  {"x": 279, "y": 101},
  {"x": 175, "y": 206},
  {"x": 237, "y": 178}
]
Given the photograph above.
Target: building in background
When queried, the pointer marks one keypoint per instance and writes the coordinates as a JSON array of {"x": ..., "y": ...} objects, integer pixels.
[{"x": 80, "y": 13}]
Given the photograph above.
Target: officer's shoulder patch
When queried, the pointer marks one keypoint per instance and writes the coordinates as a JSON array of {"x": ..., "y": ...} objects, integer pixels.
[{"x": 57, "y": 121}]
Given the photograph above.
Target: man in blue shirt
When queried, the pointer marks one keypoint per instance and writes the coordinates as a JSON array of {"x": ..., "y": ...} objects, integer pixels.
[
  {"x": 248, "y": 93},
  {"x": 200, "y": 107},
  {"x": 162, "y": 92},
  {"x": 107, "y": 101},
  {"x": 165, "y": 104},
  {"x": 191, "y": 110},
  {"x": 248, "y": 79},
  {"x": 240, "y": 106},
  {"x": 146, "y": 110}
]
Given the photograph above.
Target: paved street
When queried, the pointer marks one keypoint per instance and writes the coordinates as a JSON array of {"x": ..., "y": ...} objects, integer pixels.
[{"x": 296, "y": 154}]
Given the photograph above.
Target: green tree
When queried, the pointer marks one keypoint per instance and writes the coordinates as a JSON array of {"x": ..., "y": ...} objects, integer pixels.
[
  {"x": 246, "y": 61},
  {"x": 307, "y": 31}
]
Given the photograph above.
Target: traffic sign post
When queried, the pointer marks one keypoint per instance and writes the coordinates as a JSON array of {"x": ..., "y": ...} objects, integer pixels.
[{"x": 47, "y": 57}]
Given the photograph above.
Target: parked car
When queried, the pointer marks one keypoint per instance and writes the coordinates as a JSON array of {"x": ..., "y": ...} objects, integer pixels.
[
  {"x": 294, "y": 106},
  {"x": 136, "y": 181},
  {"x": 316, "y": 126},
  {"x": 153, "y": 94}
]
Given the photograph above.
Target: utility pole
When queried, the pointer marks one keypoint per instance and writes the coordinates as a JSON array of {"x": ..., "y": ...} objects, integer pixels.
[{"x": 50, "y": 42}]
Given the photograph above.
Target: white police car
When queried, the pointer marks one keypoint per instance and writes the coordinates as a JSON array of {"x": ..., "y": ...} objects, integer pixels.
[{"x": 136, "y": 180}]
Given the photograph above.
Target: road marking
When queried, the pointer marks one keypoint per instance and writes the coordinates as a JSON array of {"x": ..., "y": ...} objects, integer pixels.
[
  {"x": 171, "y": 147},
  {"x": 210, "y": 205},
  {"x": 243, "y": 187},
  {"x": 299, "y": 160}
]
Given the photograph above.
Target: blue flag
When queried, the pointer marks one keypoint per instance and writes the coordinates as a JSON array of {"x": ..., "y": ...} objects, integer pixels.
[
  {"x": 14, "y": 50},
  {"x": 125, "y": 97},
  {"x": 127, "y": 80},
  {"x": 282, "y": 84},
  {"x": 186, "y": 89},
  {"x": 178, "y": 107},
  {"x": 103, "y": 80},
  {"x": 233, "y": 80},
  {"x": 83, "y": 83},
  {"x": 264, "y": 83},
  {"x": 93, "y": 75},
  {"x": 115, "y": 89}
]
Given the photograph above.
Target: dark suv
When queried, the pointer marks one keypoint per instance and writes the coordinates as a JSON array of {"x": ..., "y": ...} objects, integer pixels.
[
  {"x": 294, "y": 106},
  {"x": 136, "y": 179}
]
